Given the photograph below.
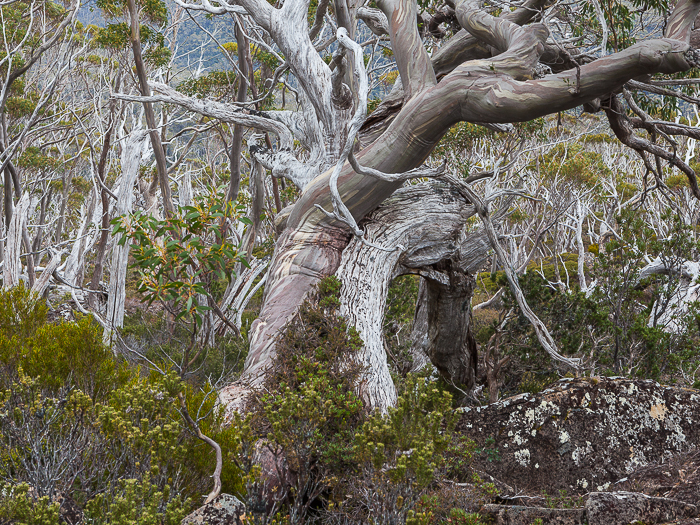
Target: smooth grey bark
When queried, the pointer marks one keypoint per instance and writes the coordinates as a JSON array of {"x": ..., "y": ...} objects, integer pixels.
[
  {"x": 241, "y": 95},
  {"x": 158, "y": 151}
]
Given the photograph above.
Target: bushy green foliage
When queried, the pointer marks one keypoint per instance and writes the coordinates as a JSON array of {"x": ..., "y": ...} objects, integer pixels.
[
  {"x": 138, "y": 502},
  {"x": 58, "y": 353},
  {"x": 401, "y": 453},
  {"x": 117, "y": 35},
  {"x": 76, "y": 421},
  {"x": 621, "y": 18},
  {"x": 407, "y": 444},
  {"x": 18, "y": 506},
  {"x": 574, "y": 164},
  {"x": 615, "y": 324},
  {"x": 213, "y": 84},
  {"x": 179, "y": 258},
  {"x": 20, "y": 314},
  {"x": 308, "y": 410}
]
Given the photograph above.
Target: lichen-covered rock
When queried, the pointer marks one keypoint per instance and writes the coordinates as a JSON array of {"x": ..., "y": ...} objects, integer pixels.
[
  {"x": 677, "y": 477},
  {"x": 581, "y": 435},
  {"x": 518, "y": 515},
  {"x": 224, "y": 510},
  {"x": 623, "y": 508}
]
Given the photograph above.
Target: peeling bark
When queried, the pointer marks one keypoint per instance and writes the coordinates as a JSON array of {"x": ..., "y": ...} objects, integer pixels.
[{"x": 418, "y": 226}]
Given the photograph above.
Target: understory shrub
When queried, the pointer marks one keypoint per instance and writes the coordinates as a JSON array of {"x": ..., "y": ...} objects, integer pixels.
[
  {"x": 79, "y": 425},
  {"x": 616, "y": 324},
  {"x": 307, "y": 410}
]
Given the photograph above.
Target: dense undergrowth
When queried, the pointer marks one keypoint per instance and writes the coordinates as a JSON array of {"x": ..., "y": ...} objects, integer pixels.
[
  {"x": 82, "y": 426},
  {"x": 83, "y": 430},
  {"x": 616, "y": 325}
]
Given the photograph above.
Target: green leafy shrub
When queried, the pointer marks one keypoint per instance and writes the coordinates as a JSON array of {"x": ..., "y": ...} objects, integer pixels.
[
  {"x": 402, "y": 452},
  {"x": 138, "y": 502},
  {"x": 75, "y": 421},
  {"x": 59, "y": 354},
  {"x": 18, "y": 506},
  {"x": 182, "y": 263},
  {"x": 307, "y": 410}
]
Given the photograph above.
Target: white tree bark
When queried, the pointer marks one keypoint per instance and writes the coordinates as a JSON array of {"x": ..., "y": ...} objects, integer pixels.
[
  {"x": 671, "y": 319},
  {"x": 185, "y": 190},
  {"x": 13, "y": 245},
  {"x": 131, "y": 157},
  {"x": 43, "y": 282},
  {"x": 75, "y": 264},
  {"x": 580, "y": 217},
  {"x": 418, "y": 226}
]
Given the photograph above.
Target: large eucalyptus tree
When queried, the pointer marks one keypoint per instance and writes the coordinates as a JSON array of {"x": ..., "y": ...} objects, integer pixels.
[{"x": 354, "y": 217}]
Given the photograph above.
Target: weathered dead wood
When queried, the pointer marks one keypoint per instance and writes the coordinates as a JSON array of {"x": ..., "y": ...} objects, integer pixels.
[
  {"x": 130, "y": 160},
  {"x": 12, "y": 269},
  {"x": 214, "y": 109},
  {"x": 43, "y": 282},
  {"x": 543, "y": 335},
  {"x": 424, "y": 223}
]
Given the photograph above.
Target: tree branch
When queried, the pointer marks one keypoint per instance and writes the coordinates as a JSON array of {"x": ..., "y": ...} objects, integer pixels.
[
  {"x": 216, "y": 110},
  {"x": 412, "y": 59}
]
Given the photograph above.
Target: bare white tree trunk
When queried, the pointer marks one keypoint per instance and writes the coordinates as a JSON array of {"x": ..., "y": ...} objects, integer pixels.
[
  {"x": 131, "y": 157},
  {"x": 580, "y": 217},
  {"x": 185, "y": 190},
  {"x": 43, "y": 282},
  {"x": 671, "y": 319},
  {"x": 75, "y": 264},
  {"x": 419, "y": 226},
  {"x": 13, "y": 245}
]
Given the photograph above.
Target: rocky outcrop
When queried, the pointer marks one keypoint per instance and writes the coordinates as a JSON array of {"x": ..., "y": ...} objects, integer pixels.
[
  {"x": 601, "y": 508},
  {"x": 518, "y": 515},
  {"x": 224, "y": 510},
  {"x": 581, "y": 435},
  {"x": 623, "y": 508},
  {"x": 676, "y": 478}
]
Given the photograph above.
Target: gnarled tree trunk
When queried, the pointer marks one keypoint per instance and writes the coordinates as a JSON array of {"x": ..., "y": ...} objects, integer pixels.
[{"x": 490, "y": 73}]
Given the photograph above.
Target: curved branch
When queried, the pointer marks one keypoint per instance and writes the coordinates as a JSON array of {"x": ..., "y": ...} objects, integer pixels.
[
  {"x": 523, "y": 45},
  {"x": 515, "y": 101},
  {"x": 209, "y": 441},
  {"x": 624, "y": 132},
  {"x": 543, "y": 335},
  {"x": 318, "y": 22},
  {"x": 418, "y": 173},
  {"x": 216, "y": 110},
  {"x": 259, "y": 10},
  {"x": 340, "y": 210},
  {"x": 680, "y": 23},
  {"x": 374, "y": 19},
  {"x": 412, "y": 59},
  {"x": 457, "y": 50},
  {"x": 282, "y": 163}
]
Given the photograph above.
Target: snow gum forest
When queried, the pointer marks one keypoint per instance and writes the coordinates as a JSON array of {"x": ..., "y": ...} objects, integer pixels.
[{"x": 278, "y": 258}]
